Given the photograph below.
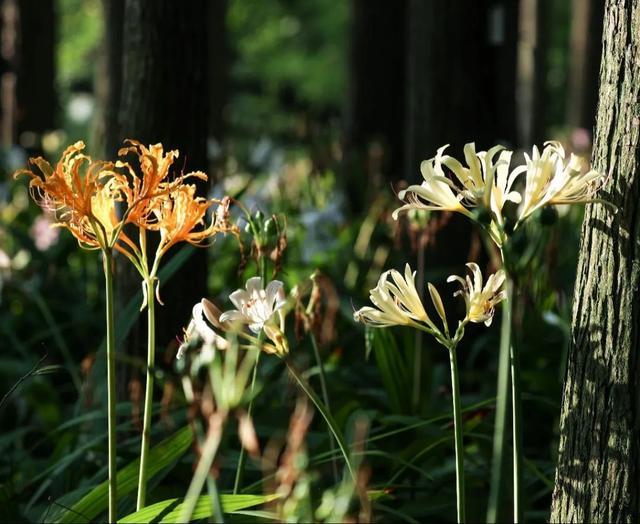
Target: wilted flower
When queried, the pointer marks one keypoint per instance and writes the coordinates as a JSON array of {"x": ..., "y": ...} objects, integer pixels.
[
  {"x": 436, "y": 192},
  {"x": 397, "y": 303},
  {"x": 480, "y": 300},
  {"x": 552, "y": 180},
  {"x": 261, "y": 309}
]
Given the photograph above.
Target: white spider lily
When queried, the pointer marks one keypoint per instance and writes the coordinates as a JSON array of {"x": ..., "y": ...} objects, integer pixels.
[
  {"x": 480, "y": 300},
  {"x": 261, "y": 309},
  {"x": 396, "y": 303},
  {"x": 484, "y": 181},
  {"x": 551, "y": 180},
  {"x": 435, "y": 193},
  {"x": 203, "y": 312}
]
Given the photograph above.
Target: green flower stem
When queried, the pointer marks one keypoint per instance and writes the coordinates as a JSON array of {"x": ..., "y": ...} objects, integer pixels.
[
  {"x": 457, "y": 429},
  {"x": 111, "y": 383},
  {"x": 496, "y": 492},
  {"x": 243, "y": 456},
  {"x": 516, "y": 404},
  {"x": 325, "y": 399},
  {"x": 262, "y": 264},
  {"x": 148, "y": 396},
  {"x": 209, "y": 450}
]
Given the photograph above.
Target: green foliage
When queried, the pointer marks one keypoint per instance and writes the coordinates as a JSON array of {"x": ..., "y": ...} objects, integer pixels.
[
  {"x": 161, "y": 456},
  {"x": 169, "y": 510}
]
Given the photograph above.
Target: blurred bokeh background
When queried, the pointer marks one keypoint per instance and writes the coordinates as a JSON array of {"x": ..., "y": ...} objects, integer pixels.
[{"x": 317, "y": 109}]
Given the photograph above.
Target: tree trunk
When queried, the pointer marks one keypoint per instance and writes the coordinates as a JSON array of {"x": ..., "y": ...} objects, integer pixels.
[
  {"x": 164, "y": 99},
  {"x": 585, "y": 51},
  {"x": 461, "y": 74},
  {"x": 373, "y": 137},
  {"x": 597, "y": 474},
  {"x": 114, "y": 26}
]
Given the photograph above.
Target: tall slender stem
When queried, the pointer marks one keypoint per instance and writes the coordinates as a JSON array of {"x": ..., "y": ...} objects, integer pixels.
[
  {"x": 417, "y": 351},
  {"x": 457, "y": 429},
  {"x": 502, "y": 400},
  {"x": 209, "y": 450},
  {"x": 111, "y": 384},
  {"x": 262, "y": 268},
  {"x": 243, "y": 456},
  {"x": 517, "y": 434},
  {"x": 325, "y": 399},
  {"x": 148, "y": 395}
]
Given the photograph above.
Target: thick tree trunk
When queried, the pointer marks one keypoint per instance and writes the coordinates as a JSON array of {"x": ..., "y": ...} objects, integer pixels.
[
  {"x": 597, "y": 476},
  {"x": 164, "y": 98}
]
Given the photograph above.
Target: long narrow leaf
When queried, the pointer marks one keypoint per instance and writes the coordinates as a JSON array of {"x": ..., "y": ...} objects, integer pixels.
[
  {"x": 160, "y": 456},
  {"x": 393, "y": 371},
  {"x": 169, "y": 510},
  {"x": 327, "y": 417}
]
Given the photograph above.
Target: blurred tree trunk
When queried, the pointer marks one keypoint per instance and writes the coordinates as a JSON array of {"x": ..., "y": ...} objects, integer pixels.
[
  {"x": 531, "y": 70},
  {"x": 373, "y": 139},
  {"x": 585, "y": 51},
  {"x": 597, "y": 479},
  {"x": 164, "y": 98},
  {"x": 111, "y": 88},
  {"x": 35, "y": 94},
  {"x": 28, "y": 73},
  {"x": 218, "y": 60},
  {"x": 460, "y": 76}
]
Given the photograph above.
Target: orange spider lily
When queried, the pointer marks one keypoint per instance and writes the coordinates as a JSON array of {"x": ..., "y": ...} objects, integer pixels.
[
  {"x": 141, "y": 191},
  {"x": 179, "y": 213},
  {"x": 84, "y": 203}
]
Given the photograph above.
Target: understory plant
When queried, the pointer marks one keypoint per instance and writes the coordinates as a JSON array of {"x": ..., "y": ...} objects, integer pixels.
[
  {"x": 480, "y": 191},
  {"x": 397, "y": 303},
  {"x": 99, "y": 202}
]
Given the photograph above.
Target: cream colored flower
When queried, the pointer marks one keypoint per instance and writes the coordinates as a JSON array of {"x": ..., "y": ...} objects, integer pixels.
[
  {"x": 396, "y": 303},
  {"x": 436, "y": 192},
  {"x": 484, "y": 181},
  {"x": 204, "y": 322},
  {"x": 550, "y": 179},
  {"x": 262, "y": 309},
  {"x": 480, "y": 300}
]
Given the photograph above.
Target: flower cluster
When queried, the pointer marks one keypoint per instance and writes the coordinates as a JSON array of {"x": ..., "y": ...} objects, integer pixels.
[
  {"x": 261, "y": 309},
  {"x": 487, "y": 181},
  {"x": 397, "y": 302},
  {"x": 96, "y": 199}
]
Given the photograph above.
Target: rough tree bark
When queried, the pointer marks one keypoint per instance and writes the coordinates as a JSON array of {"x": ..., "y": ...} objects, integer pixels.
[{"x": 597, "y": 475}]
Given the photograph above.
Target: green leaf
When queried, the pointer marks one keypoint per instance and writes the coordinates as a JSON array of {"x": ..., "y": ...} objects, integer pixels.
[
  {"x": 393, "y": 370},
  {"x": 327, "y": 417},
  {"x": 160, "y": 457},
  {"x": 169, "y": 510}
]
